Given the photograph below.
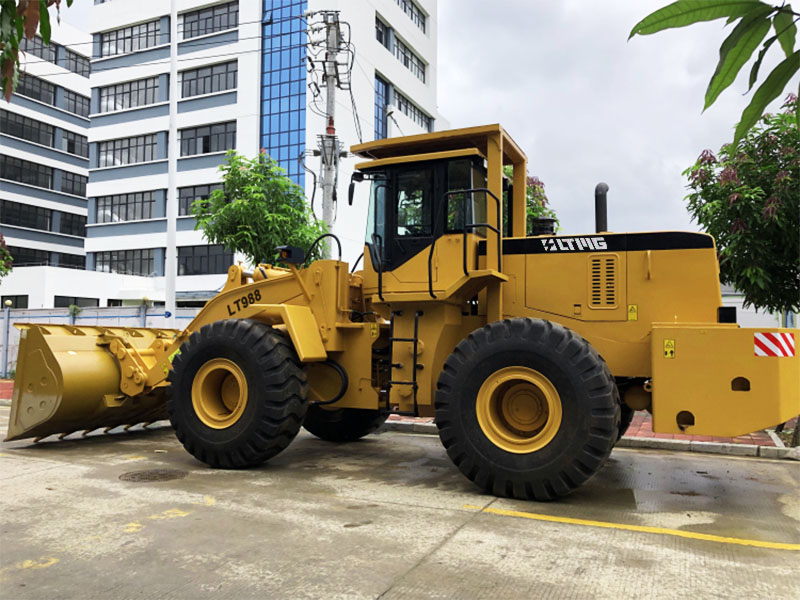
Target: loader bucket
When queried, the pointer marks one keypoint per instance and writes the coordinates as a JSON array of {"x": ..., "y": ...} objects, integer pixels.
[{"x": 67, "y": 380}]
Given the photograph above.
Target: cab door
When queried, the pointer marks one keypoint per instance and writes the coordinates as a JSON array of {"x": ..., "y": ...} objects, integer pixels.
[{"x": 412, "y": 220}]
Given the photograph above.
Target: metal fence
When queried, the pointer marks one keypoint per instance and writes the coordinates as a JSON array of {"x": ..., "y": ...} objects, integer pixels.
[{"x": 112, "y": 316}]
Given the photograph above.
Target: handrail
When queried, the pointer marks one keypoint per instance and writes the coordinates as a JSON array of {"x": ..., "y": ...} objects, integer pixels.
[
  {"x": 380, "y": 263},
  {"x": 467, "y": 226}
]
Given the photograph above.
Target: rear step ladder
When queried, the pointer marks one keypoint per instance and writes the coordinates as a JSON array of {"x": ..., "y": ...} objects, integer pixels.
[{"x": 397, "y": 365}]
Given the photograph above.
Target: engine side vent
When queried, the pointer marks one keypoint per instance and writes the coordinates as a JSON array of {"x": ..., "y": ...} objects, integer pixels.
[{"x": 603, "y": 275}]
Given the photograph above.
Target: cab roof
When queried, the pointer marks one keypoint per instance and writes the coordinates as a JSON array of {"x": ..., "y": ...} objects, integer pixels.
[{"x": 441, "y": 141}]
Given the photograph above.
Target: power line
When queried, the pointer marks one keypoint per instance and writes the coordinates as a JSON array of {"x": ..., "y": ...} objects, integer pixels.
[
  {"x": 166, "y": 61},
  {"x": 193, "y": 45}
]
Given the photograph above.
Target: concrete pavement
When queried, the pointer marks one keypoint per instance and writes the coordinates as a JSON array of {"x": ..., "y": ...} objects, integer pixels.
[{"x": 387, "y": 517}]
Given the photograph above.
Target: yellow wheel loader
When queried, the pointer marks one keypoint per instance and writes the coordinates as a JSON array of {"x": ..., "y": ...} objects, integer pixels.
[{"x": 531, "y": 351}]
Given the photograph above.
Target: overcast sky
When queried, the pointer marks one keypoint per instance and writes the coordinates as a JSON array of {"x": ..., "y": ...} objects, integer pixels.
[{"x": 586, "y": 105}]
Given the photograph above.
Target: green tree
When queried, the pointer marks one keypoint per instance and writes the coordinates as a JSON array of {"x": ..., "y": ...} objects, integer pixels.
[
  {"x": 5, "y": 258},
  {"x": 748, "y": 198},
  {"x": 258, "y": 210},
  {"x": 754, "y": 21},
  {"x": 21, "y": 19},
  {"x": 536, "y": 202}
]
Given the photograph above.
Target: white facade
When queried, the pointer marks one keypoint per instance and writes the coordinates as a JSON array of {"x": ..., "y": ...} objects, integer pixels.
[
  {"x": 42, "y": 284},
  {"x": 42, "y": 220},
  {"x": 167, "y": 172}
]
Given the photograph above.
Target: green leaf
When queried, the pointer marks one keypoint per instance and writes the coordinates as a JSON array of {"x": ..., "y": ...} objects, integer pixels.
[
  {"x": 737, "y": 49},
  {"x": 44, "y": 22},
  {"x": 757, "y": 64},
  {"x": 687, "y": 12},
  {"x": 785, "y": 28},
  {"x": 769, "y": 90}
]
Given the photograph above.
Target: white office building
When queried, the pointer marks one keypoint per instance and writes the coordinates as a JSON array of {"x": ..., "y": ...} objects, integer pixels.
[
  {"x": 177, "y": 83},
  {"x": 44, "y": 160}
]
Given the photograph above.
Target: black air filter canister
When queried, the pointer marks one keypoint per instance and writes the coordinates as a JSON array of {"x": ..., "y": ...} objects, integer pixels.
[{"x": 543, "y": 226}]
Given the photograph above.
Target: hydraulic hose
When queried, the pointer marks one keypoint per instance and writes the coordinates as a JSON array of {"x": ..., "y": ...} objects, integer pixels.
[{"x": 345, "y": 382}]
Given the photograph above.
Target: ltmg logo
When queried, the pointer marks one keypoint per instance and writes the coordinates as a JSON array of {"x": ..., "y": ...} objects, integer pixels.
[{"x": 577, "y": 244}]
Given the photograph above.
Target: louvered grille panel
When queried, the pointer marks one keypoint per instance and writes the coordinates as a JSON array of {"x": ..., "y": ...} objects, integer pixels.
[{"x": 603, "y": 292}]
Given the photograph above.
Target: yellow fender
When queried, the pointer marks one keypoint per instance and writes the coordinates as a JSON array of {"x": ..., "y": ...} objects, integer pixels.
[{"x": 301, "y": 326}]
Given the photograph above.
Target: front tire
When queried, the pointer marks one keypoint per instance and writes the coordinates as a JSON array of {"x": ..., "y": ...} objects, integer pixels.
[
  {"x": 527, "y": 409},
  {"x": 238, "y": 394}
]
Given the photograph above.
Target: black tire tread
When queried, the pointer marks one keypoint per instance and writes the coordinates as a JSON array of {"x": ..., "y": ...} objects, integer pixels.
[
  {"x": 282, "y": 394},
  {"x": 580, "y": 358}
]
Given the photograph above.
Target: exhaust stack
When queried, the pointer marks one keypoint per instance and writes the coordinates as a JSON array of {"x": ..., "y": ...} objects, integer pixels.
[{"x": 600, "y": 207}]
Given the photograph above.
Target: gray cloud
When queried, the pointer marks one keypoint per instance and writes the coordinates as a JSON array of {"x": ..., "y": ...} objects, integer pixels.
[{"x": 587, "y": 105}]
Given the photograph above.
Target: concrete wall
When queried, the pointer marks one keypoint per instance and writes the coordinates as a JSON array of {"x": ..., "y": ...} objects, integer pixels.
[{"x": 750, "y": 317}]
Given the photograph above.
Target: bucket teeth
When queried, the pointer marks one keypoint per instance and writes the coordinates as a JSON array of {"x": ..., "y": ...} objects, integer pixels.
[
  {"x": 65, "y": 434},
  {"x": 107, "y": 429},
  {"x": 146, "y": 423},
  {"x": 36, "y": 439},
  {"x": 128, "y": 426},
  {"x": 86, "y": 432}
]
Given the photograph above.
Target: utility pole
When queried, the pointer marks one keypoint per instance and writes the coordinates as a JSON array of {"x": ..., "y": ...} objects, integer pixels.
[
  {"x": 171, "y": 201},
  {"x": 328, "y": 149},
  {"x": 329, "y": 145}
]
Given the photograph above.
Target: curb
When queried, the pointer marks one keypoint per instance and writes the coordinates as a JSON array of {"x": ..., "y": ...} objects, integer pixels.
[
  {"x": 4, "y": 402},
  {"x": 649, "y": 443}
]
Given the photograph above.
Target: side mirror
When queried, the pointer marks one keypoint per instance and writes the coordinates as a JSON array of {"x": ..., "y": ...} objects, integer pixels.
[{"x": 356, "y": 176}]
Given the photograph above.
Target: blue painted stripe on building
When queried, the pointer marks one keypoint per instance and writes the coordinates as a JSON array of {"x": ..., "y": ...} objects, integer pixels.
[{"x": 283, "y": 84}]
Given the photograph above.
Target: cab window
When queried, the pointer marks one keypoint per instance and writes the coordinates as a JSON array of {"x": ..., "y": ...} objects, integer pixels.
[
  {"x": 465, "y": 174},
  {"x": 377, "y": 222},
  {"x": 415, "y": 203}
]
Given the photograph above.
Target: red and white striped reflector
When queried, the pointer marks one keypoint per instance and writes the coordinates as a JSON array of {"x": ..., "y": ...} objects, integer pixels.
[{"x": 773, "y": 344}]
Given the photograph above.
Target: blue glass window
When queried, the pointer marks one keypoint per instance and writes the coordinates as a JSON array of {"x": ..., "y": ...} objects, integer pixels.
[
  {"x": 381, "y": 100},
  {"x": 283, "y": 85}
]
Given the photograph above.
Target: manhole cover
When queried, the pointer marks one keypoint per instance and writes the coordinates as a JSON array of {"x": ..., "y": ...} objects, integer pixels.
[{"x": 153, "y": 475}]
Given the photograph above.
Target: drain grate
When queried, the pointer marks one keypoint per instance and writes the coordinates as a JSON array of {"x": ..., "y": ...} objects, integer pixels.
[{"x": 153, "y": 475}]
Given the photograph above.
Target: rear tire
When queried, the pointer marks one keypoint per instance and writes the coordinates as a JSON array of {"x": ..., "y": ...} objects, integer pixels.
[
  {"x": 342, "y": 424},
  {"x": 527, "y": 409},
  {"x": 626, "y": 417},
  {"x": 238, "y": 394}
]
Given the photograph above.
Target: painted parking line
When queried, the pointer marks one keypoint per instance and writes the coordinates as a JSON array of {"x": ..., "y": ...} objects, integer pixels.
[{"x": 638, "y": 528}]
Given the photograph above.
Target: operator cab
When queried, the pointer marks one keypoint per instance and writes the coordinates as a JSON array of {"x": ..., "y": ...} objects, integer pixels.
[
  {"x": 411, "y": 204},
  {"x": 439, "y": 201}
]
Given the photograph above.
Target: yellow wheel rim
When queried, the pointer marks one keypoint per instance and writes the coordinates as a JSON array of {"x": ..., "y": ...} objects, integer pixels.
[
  {"x": 219, "y": 393},
  {"x": 518, "y": 409}
]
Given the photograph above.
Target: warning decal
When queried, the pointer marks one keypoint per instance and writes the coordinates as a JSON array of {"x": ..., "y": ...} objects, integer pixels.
[
  {"x": 633, "y": 312},
  {"x": 773, "y": 344},
  {"x": 669, "y": 348}
]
